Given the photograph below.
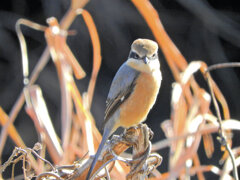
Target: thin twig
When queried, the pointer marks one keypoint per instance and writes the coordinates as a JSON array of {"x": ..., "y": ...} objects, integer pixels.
[
  {"x": 24, "y": 167},
  {"x": 8, "y": 162},
  {"x": 103, "y": 166},
  {"x": 223, "y": 65},
  {"x": 46, "y": 175},
  {"x": 39, "y": 157},
  {"x": 223, "y": 140},
  {"x": 118, "y": 144}
]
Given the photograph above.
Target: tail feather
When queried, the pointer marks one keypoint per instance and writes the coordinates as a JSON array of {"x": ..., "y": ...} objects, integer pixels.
[{"x": 104, "y": 139}]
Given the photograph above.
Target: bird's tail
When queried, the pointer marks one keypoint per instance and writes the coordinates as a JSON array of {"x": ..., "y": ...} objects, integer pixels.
[{"x": 104, "y": 139}]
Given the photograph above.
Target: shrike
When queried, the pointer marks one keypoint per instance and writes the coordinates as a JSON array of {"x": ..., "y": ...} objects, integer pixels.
[{"x": 133, "y": 91}]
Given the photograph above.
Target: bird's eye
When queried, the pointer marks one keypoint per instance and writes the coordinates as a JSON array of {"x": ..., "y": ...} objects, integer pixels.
[
  {"x": 134, "y": 55},
  {"x": 154, "y": 56}
]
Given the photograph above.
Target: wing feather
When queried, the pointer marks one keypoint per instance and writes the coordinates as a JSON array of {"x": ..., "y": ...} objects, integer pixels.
[{"x": 121, "y": 88}]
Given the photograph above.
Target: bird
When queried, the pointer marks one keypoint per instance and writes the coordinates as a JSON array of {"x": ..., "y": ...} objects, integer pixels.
[{"x": 133, "y": 91}]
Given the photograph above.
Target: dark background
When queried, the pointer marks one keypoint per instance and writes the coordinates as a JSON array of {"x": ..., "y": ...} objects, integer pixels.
[{"x": 201, "y": 29}]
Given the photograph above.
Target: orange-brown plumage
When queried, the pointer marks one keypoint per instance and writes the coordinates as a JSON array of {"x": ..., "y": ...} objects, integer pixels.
[{"x": 137, "y": 106}]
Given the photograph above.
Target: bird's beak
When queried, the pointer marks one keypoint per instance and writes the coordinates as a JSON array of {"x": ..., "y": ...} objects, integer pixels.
[{"x": 145, "y": 60}]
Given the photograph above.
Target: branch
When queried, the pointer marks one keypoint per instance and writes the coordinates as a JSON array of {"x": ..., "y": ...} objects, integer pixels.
[{"x": 141, "y": 165}]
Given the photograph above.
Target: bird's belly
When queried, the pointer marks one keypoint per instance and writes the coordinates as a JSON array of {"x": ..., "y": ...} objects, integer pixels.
[{"x": 136, "y": 108}]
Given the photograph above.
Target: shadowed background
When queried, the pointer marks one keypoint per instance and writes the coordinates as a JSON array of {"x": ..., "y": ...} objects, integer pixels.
[{"x": 202, "y": 30}]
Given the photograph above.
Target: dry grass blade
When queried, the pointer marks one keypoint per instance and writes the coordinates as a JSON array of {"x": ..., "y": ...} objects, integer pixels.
[
  {"x": 37, "y": 110},
  {"x": 228, "y": 166},
  {"x": 85, "y": 121},
  {"x": 228, "y": 144},
  {"x": 16, "y": 139},
  {"x": 23, "y": 44},
  {"x": 204, "y": 99},
  {"x": 208, "y": 168},
  {"x": 65, "y": 23},
  {"x": 197, "y": 164},
  {"x": 208, "y": 145},
  {"x": 206, "y": 129},
  {"x": 217, "y": 95},
  {"x": 223, "y": 139},
  {"x": 191, "y": 118},
  {"x": 56, "y": 39},
  {"x": 96, "y": 53},
  {"x": 215, "y": 89},
  {"x": 90, "y": 134},
  {"x": 20, "y": 101},
  {"x": 184, "y": 149},
  {"x": 11, "y": 130},
  {"x": 198, "y": 104},
  {"x": 65, "y": 78},
  {"x": 178, "y": 115},
  {"x": 70, "y": 16},
  {"x": 76, "y": 4},
  {"x": 65, "y": 62},
  {"x": 196, "y": 170},
  {"x": 172, "y": 54}
]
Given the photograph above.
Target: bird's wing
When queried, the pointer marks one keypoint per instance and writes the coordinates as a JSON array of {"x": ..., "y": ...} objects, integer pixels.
[{"x": 121, "y": 88}]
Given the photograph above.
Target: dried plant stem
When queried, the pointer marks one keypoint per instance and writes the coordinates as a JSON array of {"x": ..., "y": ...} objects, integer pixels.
[
  {"x": 223, "y": 140},
  {"x": 23, "y": 45},
  {"x": 118, "y": 145},
  {"x": 223, "y": 65},
  {"x": 22, "y": 154},
  {"x": 174, "y": 58},
  {"x": 142, "y": 163},
  {"x": 20, "y": 101},
  {"x": 48, "y": 175},
  {"x": 141, "y": 152},
  {"x": 10, "y": 159},
  {"x": 65, "y": 23},
  {"x": 97, "y": 59},
  {"x": 167, "y": 142}
]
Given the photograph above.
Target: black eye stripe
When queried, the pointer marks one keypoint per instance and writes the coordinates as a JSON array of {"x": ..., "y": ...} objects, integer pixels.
[{"x": 134, "y": 55}]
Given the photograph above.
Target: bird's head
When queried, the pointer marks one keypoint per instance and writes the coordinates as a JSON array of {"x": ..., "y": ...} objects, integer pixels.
[{"x": 144, "y": 56}]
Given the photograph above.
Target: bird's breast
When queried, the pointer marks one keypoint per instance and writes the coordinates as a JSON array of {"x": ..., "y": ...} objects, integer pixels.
[{"x": 136, "y": 108}]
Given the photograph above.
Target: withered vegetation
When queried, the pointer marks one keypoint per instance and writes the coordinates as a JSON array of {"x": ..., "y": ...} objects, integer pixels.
[{"x": 190, "y": 122}]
